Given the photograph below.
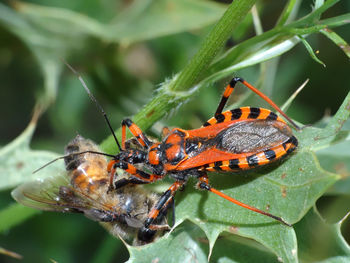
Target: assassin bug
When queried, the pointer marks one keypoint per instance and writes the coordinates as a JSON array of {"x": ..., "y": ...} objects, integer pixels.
[{"x": 234, "y": 140}]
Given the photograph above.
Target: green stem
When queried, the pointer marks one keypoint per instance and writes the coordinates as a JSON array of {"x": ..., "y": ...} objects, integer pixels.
[
  {"x": 241, "y": 51},
  {"x": 179, "y": 90},
  {"x": 212, "y": 44},
  {"x": 288, "y": 12}
]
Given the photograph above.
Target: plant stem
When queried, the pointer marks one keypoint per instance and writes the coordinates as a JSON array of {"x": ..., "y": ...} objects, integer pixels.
[
  {"x": 172, "y": 94},
  {"x": 212, "y": 44}
]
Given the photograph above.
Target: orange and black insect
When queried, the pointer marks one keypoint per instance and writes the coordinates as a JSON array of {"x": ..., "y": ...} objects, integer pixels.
[{"x": 231, "y": 141}]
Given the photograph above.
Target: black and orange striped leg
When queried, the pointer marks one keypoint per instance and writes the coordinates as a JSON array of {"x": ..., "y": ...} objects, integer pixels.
[
  {"x": 136, "y": 131},
  {"x": 146, "y": 234},
  {"x": 227, "y": 93},
  {"x": 160, "y": 208},
  {"x": 203, "y": 183},
  {"x": 229, "y": 89},
  {"x": 137, "y": 176}
]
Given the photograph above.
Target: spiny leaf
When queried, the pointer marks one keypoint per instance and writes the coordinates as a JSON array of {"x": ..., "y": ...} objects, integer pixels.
[
  {"x": 187, "y": 243},
  {"x": 241, "y": 251},
  {"x": 337, "y": 159},
  {"x": 288, "y": 190},
  {"x": 321, "y": 242},
  {"x": 317, "y": 139},
  {"x": 18, "y": 161}
]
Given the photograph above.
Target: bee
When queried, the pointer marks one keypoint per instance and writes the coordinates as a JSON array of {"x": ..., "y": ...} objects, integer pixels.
[{"x": 84, "y": 188}]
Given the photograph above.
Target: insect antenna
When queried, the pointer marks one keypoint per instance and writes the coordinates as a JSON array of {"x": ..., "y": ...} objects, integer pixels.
[
  {"x": 69, "y": 155},
  {"x": 96, "y": 103}
]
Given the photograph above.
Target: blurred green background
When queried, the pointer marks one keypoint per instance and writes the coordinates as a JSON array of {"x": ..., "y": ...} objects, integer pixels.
[{"x": 124, "y": 76}]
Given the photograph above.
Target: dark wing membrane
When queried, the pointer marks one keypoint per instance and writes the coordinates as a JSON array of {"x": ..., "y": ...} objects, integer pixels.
[
  {"x": 252, "y": 136},
  {"x": 44, "y": 194}
]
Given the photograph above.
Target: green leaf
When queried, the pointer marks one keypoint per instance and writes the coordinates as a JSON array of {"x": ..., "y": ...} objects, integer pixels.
[
  {"x": 240, "y": 251},
  {"x": 272, "y": 43},
  {"x": 338, "y": 40},
  {"x": 46, "y": 48},
  {"x": 311, "y": 52},
  {"x": 281, "y": 191},
  {"x": 337, "y": 159},
  {"x": 187, "y": 243},
  {"x": 14, "y": 215},
  {"x": 321, "y": 242},
  {"x": 142, "y": 20},
  {"x": 288, "y": 190},
  {"x": 18, "y": 161},
  {"x": 332, "y": 133},
  {"x": 289, "y": 12}
]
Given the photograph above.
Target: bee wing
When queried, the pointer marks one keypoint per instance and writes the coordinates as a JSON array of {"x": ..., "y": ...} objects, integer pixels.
[
  {"x": 56, "y": 194},
  {"x": 44, "y": 194}
]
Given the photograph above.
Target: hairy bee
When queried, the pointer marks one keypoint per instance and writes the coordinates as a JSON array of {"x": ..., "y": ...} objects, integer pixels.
[{"x": 84, "y": 188}]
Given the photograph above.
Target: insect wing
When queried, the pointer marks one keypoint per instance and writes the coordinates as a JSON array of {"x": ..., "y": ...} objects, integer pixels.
[
  {"x": 44, "y": 194},
  {"x": 238, "y": 139},
  {"x": 252, "y": 136}
]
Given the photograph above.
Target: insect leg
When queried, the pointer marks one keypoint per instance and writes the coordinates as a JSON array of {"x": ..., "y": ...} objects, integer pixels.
[
  {"x": 227, "y": 93},
  {"x": 136, "y": 131},
  {"x": 204, "y": 184},
  {"x": 137, "y": 176},
  {"x": 229, "y": 89},
  {"x": 160, "y": 208}
]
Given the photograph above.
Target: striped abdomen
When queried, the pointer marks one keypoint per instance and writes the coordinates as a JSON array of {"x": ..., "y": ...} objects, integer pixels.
[
  {"x": 87, "y": 171},
  {"x": 248, "y": 161},
  {"x": 238, "y": 139}
]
